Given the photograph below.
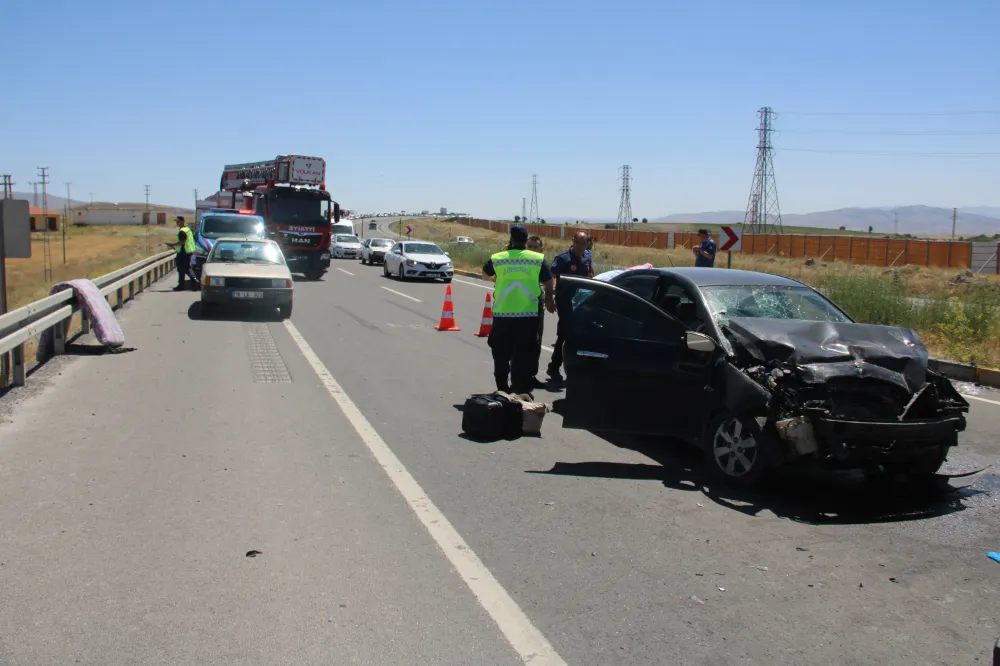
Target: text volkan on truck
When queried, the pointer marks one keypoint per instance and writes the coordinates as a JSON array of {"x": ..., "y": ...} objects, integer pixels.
[{"x": 289, "y": 193}]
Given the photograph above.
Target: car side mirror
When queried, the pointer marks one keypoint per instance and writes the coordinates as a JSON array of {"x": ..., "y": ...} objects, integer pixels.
[{"x": 700, "y": 342}]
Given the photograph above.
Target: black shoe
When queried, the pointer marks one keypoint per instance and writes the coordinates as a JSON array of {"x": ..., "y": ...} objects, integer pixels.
[
  {"x": 539, "y": 383},
  {"x": 555, "y": 377},
  {"x": 180, "y": 288}
]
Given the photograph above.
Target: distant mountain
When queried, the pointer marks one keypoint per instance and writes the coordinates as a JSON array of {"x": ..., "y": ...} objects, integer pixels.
[
  {"x": 985, "y": 211},
  {"x": 55, "y": 202},
  {"x": 916, "y": 220}
]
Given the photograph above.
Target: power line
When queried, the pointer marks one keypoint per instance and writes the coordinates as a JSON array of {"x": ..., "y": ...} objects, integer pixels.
[
  {"x": 980, "y": 112},
  {"x": 894, "y": 132},
  {"x": 886, "y": 153}
]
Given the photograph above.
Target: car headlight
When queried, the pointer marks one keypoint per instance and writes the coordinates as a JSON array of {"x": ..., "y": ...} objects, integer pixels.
[
  {"x": 410, "y": 262},
  {"x": 281, "y": 283},
  {"x": 216, "y": 282}
]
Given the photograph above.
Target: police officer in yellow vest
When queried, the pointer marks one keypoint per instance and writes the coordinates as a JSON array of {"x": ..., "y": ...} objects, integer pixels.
[
  {"x": 514, "y": 336},
  {"x": 185, "y": 248}
]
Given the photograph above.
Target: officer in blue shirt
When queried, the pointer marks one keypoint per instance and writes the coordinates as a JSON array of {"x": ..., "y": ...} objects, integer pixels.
[
  {"x": 704, "y": 254},
  {"x": 575, "y": 262}
]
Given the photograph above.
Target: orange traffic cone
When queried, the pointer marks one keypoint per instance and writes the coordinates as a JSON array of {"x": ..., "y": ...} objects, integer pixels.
[
  {"x": 448, "y": 314},
  {"x": 487, "y": 324}
]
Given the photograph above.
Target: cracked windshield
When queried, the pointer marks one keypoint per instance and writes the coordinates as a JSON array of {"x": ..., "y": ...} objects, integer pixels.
[{"x": 491, "y": 333}]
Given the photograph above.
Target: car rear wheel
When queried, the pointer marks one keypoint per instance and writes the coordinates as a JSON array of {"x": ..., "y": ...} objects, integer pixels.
[
  {"x": 363, "y": 262},
  {"x": 737, "y": 450}
]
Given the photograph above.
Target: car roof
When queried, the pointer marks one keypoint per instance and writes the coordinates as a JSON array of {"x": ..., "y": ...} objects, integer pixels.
[{"x": 720, "y": 277}]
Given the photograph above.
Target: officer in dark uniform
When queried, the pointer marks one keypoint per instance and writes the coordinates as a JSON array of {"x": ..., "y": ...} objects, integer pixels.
[
  {"x": 535, "y": 245},
  {"x": 185, "y": 248},
  {"x": 514, "y": 337},
  {"x": 575, "y": 262}
]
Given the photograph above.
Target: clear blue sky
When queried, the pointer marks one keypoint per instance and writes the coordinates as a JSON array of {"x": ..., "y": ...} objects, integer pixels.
[{"x": 426, "y": 104}]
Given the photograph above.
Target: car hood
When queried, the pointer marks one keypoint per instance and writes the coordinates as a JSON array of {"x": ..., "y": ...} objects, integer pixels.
[
  {"x": 217, "y": 269},
  {"x": 349, "y": 246},
  {"x": 820, "y": 351},
  {"x": 428, "y": 258}
]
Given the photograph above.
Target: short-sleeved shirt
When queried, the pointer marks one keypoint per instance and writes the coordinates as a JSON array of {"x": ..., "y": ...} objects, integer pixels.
[
  {"x": 568, "y": 264},
  {"x": 705, "y": 262}
]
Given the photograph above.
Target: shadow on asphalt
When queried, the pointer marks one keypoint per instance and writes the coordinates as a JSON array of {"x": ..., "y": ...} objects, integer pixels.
[
  {"x": 234, "y": 313},
  {"x": 806, "y": 495}
]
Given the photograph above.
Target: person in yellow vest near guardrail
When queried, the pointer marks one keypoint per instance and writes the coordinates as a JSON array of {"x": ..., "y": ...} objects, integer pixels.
[
  {"x": 185, "y": 248},
  {"x": 514, "y": 336}
]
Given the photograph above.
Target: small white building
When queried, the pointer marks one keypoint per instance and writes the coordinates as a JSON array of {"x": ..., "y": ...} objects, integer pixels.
[{"x": 111, "y": 214}]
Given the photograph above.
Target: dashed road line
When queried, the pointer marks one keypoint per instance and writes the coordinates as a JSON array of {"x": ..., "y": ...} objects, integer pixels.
[
  {"x": 516, "y": 627},
  {"x": 399, "y": 293},
  {"x": 343, "y": 271},
  {"x": 976, "y": 397},
  {"x": 488, "y": 285}
]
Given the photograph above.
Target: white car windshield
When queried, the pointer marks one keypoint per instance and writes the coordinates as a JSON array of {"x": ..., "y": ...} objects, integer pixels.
[
  {"x": 422, "y": 248},
  {"x": 379, "y": 242},
  {"x": 769, "y": 302},
  {"x": 347, "y": 239},
  {"x": 230, "y": 252}
]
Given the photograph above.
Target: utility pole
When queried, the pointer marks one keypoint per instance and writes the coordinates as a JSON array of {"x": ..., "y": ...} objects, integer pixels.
[
  {"x": 625, "y": 202},
  {"x": 69, "y": 216},
  {"x": 763, "y": 213},
  {"x": 524, "y": 211},
  {"x": 148, "y": 218},
  {"x": 954, "y": 221},
  {"x": 895, "y": 223},
  {"x": 35, "y": 201},
  {"x": 46, "y": 243},
  {"x": 533, "y": 211},
  {"x": 91, "y": 196},
  {"x": 8, "y": 186}
]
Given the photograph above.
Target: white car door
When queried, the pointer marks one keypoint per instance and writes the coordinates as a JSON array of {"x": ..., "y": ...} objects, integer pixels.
[{"x": 393, "y": 257}]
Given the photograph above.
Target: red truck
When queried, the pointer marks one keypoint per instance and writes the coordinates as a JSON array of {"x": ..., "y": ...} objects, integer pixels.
[{"x": 290, "y": 193}]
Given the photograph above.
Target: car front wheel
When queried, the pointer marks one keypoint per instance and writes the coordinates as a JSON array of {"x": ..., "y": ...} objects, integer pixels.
[{"x": 737, "y": 450}]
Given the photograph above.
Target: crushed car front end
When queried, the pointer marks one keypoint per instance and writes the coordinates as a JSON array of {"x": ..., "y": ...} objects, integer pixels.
[{"x": 849, "y": 394}]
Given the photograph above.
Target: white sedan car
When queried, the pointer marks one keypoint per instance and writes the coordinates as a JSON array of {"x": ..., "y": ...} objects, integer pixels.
[
  {"x": 417, "y": 259},
  {"x": 345, "y": 247}
]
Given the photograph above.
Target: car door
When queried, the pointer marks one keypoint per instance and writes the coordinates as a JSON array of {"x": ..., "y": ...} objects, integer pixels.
[
  {"x": 393, "y": 257},
  {"x": 628, "y": 368}
]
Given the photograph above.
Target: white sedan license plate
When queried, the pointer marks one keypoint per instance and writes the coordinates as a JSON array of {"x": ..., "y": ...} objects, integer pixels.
[{"x": 248, "y": 294}]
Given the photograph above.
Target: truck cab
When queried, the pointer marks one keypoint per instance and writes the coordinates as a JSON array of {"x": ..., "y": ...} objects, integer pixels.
[{"x": 223, "y": 223}]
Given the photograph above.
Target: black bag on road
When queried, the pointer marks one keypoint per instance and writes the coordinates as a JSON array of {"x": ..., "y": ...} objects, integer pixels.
[{"x": 489, "y": 417}]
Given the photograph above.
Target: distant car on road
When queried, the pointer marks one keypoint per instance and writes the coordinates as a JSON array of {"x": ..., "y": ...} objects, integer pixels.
[
  {"x": 373, "y": 226},
  {"x": 373, "y": 250},
  {"x": 464, "y": 240},
  {"x": 245, "y": 271},
  {"x": 415, "y": 259},
  {"x": 345, "y": 247},
  {"x": 758, "y": 370}
]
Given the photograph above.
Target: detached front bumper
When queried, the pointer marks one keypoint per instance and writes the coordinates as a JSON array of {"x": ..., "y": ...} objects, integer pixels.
[
  {"x": 256, "y": 297},
  {"x": 883, "y": 441}
]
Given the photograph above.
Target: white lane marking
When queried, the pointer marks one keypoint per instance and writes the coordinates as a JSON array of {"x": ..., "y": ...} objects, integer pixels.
[
  {"x": 976, "y": 397},
  {"x": 399, "y": 293},
  {"x": 548, "y": 349},
  {"x": 527, "y": 640},
  {"x": 488, "y": 285},
  {"x": 343, "y": 271}
]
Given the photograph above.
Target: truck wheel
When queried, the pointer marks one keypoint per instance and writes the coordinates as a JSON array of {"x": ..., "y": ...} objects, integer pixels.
[
  {"x": 737, "y": 451},
  {"x": 285, "y": 311}
]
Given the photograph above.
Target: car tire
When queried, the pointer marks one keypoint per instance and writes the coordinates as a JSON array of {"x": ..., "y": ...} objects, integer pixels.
[
  {"x": 363, "y": 262},
  {"x": 285, "y": 311},
  {"x": 922, "y": 467},
  {"x": 314, "y": 275},
  {"x": 385, "y": 270},
  {"x": 447, "y": 280},
  {"x": 401, "y": 276},
  {"x": 740, "y": 435}
]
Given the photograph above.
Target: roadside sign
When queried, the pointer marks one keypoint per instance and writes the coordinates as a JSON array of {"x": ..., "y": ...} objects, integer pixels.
[
  {"x": 409, "y": 230},
  {"x": 733, "y": 239}
]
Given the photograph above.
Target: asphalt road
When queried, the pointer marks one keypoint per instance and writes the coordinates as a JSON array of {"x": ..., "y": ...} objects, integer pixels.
[{"x": 133, "y": 485}]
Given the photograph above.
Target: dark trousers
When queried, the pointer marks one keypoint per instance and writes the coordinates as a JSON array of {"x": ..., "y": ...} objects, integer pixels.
[
  {"x": 183, "y": 261},
  {"x": 514, "y": 343},
  {"x": 555, "y": 364}
]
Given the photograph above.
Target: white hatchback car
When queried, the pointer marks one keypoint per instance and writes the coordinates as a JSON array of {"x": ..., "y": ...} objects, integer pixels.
[
  {"x": 345, "y": 247},
  {"x": 418, "y": 259}
]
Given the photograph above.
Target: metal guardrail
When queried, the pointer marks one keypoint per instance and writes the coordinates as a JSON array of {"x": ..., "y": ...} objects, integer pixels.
[{"x": 19, "y": 326}]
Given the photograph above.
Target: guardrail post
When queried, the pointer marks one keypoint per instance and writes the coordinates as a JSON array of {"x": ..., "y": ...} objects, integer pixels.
[
  {"x": 121, "y": 296},
  {"x": 59, "y": 338},
  {"x": 84, "y": 322},
  {"x": 17, "y": 365},
  {"x": 131, "y": 290}
]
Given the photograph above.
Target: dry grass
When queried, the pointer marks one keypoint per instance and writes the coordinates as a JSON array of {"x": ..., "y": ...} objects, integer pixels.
[
  {"x": 956, "y": 318},
  {"x": 90, "y": 253}
]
